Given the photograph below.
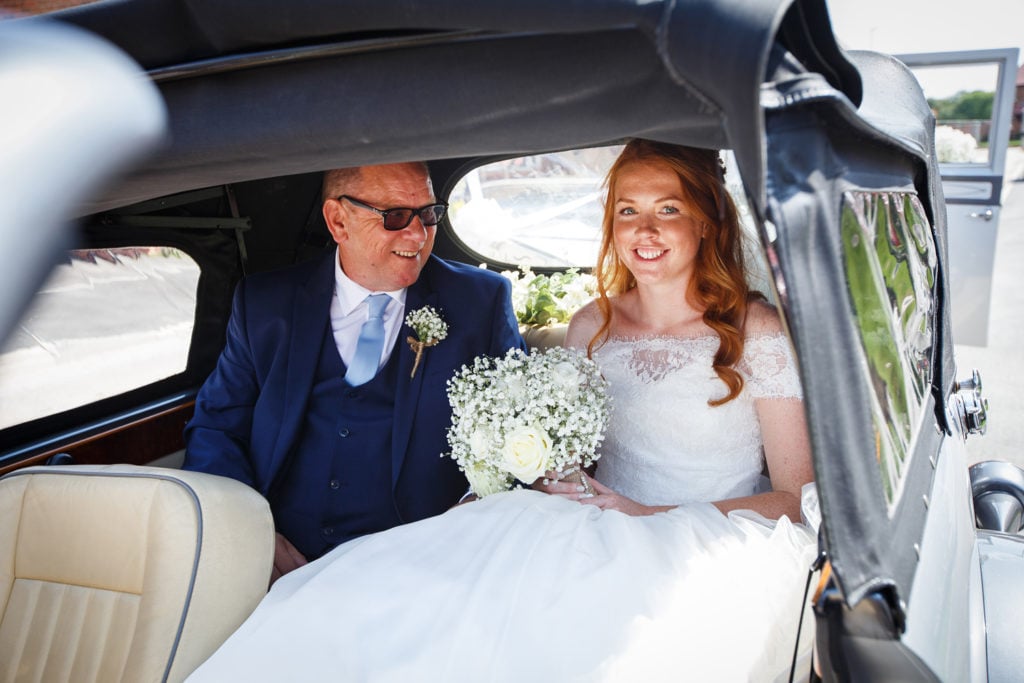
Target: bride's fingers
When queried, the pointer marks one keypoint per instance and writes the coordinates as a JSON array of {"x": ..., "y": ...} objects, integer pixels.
[
  {"x": 550, "y": 477},
  {"x": 564, "y": 487},
  {"x": 603, "y": 500},
  {"x": 598, "y": 486},
  {"x": 552, "y": 482},
  {"x": 591, "y": 499}
]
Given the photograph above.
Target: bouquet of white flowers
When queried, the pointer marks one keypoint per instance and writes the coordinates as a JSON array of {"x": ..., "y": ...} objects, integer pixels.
[{"x": 518, "y": 416}]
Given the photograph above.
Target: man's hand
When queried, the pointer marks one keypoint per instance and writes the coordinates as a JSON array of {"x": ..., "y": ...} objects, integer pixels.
[
  {"x": 468, "y": 498},
  {"x": 286, "y": 558}
]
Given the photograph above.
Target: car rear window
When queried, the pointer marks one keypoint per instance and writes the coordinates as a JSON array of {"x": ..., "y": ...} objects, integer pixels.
[
  {"x": 542, "y": 210},
  {"x": 105, "y": 322}
]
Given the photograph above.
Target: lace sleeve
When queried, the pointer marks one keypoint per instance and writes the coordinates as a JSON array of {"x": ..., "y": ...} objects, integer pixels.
[{"x": 769, "y": 368}]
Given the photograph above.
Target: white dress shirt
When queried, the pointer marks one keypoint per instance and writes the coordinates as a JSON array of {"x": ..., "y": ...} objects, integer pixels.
[{"x": 349, "y": 311}]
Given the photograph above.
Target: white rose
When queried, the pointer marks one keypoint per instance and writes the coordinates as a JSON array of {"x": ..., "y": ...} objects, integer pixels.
[
  {"x": 527, "y": 453},
  {"x": 485, "y": 481},
  {"x": 478, "y": 442},
  {"x": 515, "y": 388},
  {"x": 565, "y": 376}
]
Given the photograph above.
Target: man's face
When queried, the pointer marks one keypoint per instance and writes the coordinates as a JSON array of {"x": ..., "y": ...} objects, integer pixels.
[{"x": 371, "y": 256}]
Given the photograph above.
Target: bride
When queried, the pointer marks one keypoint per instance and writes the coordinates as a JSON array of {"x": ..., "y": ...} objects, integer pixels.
[{"x": 678, "y": 567}]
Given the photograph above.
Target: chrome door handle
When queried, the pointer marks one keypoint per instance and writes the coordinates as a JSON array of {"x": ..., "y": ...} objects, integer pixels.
[
  {"x": 986, "y": 214},
  {"x": 970, "y": 408}
]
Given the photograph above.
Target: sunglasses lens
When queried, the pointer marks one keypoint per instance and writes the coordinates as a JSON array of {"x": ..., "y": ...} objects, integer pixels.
[
  {"x": 432, "y": 215},
  {"x": 399, "y": 219},
  {"x": 396, "y": 219}
]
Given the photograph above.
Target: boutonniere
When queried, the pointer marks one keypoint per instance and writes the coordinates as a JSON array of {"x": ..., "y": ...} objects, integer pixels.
[{"x": 429, "y": 327}]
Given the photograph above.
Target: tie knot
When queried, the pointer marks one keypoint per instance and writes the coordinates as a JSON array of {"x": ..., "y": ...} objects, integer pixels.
[{"x": 377, "y": 304}]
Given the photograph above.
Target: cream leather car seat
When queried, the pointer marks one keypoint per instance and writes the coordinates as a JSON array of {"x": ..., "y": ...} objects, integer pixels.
[
  {"x": 122, "y": 573},
  {"x": 543, "y": 336}
]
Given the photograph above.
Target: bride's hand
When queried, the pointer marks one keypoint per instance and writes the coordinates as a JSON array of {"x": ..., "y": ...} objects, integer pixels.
[
  {"x": 606, "y": 499},
  {"x": 603, "y": 497},
  {"x": 553, "y": 483}
]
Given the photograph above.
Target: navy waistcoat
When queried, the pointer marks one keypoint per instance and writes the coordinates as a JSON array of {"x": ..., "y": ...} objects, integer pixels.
[{"x": 337, "y": 485}]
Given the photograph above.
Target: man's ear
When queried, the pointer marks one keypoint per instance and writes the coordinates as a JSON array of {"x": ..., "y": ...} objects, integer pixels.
[{"x": 334, "y": 217}]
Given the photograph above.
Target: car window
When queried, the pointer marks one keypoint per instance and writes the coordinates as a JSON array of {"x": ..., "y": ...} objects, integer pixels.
[
  {"x": 971, "y": 93},
  {"x": 105, "y": 322},
  {"x": 545, "y": 211},
  {"x": 890, "y": 262}
]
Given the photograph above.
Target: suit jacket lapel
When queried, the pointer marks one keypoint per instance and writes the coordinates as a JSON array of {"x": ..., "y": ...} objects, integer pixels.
[
  {"x": 407, "y": 393},
  {"x": 309, "y": 326}
]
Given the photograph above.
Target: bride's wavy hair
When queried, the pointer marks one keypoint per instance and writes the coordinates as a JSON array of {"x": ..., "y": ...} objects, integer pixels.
[{"x": 719, "y": 284}]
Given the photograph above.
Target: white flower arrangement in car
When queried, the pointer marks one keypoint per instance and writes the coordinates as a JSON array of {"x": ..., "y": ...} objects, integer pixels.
[
  {"x": 540, "y": 299},
  {"x": 545, "y": 303},
  {"x": 519, "y": 416}
]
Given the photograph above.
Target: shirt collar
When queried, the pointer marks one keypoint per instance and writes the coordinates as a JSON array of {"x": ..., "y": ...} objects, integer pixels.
[{"x": 350, "y": 294}]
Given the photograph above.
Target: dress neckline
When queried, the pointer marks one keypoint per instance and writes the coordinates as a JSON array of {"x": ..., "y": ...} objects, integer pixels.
[{"x": 629, "y": 339}]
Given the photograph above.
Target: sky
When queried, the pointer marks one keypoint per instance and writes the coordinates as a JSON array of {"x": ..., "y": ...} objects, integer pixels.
[{"x": 908, "y": 26}]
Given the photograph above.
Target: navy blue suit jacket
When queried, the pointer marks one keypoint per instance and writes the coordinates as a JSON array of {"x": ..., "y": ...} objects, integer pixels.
[{"x": 249, "y": 413}]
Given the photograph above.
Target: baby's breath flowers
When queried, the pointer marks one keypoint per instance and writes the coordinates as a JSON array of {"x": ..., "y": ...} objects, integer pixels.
[
  {"x": 518, "y": 416},
  {"x": 429, "y": 328}
]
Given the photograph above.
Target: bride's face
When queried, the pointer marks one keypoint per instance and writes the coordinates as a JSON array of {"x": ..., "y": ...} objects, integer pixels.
[{"x": 656, "y": 235}]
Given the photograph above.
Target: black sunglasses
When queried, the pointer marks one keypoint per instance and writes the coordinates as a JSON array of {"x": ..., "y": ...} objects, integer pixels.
[{"x": 400, "y": 217}]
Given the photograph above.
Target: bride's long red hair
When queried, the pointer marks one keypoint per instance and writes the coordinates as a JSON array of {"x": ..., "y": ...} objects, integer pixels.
[{"x": 719, "y": 283}]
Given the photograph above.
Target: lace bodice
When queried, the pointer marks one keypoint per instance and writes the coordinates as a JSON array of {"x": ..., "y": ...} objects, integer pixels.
[{"x": 665, "y": 445}]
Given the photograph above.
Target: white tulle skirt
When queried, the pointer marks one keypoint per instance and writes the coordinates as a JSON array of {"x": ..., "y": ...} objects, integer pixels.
[{"x": 523, "y": 586}]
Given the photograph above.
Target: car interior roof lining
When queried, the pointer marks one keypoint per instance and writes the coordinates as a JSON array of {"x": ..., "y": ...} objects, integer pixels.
[{"x": 714, "y": 50}]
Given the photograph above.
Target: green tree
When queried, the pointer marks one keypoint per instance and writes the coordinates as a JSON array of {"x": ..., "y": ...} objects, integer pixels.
[{"x": 976, "y": 104}]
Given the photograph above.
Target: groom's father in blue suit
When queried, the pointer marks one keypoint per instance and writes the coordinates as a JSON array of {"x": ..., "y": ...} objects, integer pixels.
[{"x": 312, "y": 402}]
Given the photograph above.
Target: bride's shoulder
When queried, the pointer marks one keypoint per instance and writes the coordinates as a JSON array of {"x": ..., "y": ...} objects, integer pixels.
[
  {"x": 584, "y": 325},
  {"x": 762, "y": 320}
]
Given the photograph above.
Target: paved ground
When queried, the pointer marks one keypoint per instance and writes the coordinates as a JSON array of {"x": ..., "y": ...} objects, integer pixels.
[{"x": 1001, "y": 362}]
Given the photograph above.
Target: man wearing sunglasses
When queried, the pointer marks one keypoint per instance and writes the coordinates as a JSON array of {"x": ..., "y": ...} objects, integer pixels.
[{"x": 314, "y": 401}]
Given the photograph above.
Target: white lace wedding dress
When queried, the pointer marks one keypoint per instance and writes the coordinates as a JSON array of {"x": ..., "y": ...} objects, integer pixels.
[{"x": 525, "y": 587}]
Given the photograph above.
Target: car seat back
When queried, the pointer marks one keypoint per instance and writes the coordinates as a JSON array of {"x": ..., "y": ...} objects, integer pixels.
[{"x": 123, "y": 573}]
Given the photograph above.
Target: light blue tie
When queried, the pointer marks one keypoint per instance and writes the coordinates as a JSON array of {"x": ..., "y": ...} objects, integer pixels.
[{"x": 371, "y": 343}]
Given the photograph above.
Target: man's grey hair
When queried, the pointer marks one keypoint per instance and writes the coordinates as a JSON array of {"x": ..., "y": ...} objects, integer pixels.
[{"x": 338, "y": 181}]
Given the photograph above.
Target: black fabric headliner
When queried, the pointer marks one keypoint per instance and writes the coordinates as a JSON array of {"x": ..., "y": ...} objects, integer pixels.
[{"x": 410, "y": 79}]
